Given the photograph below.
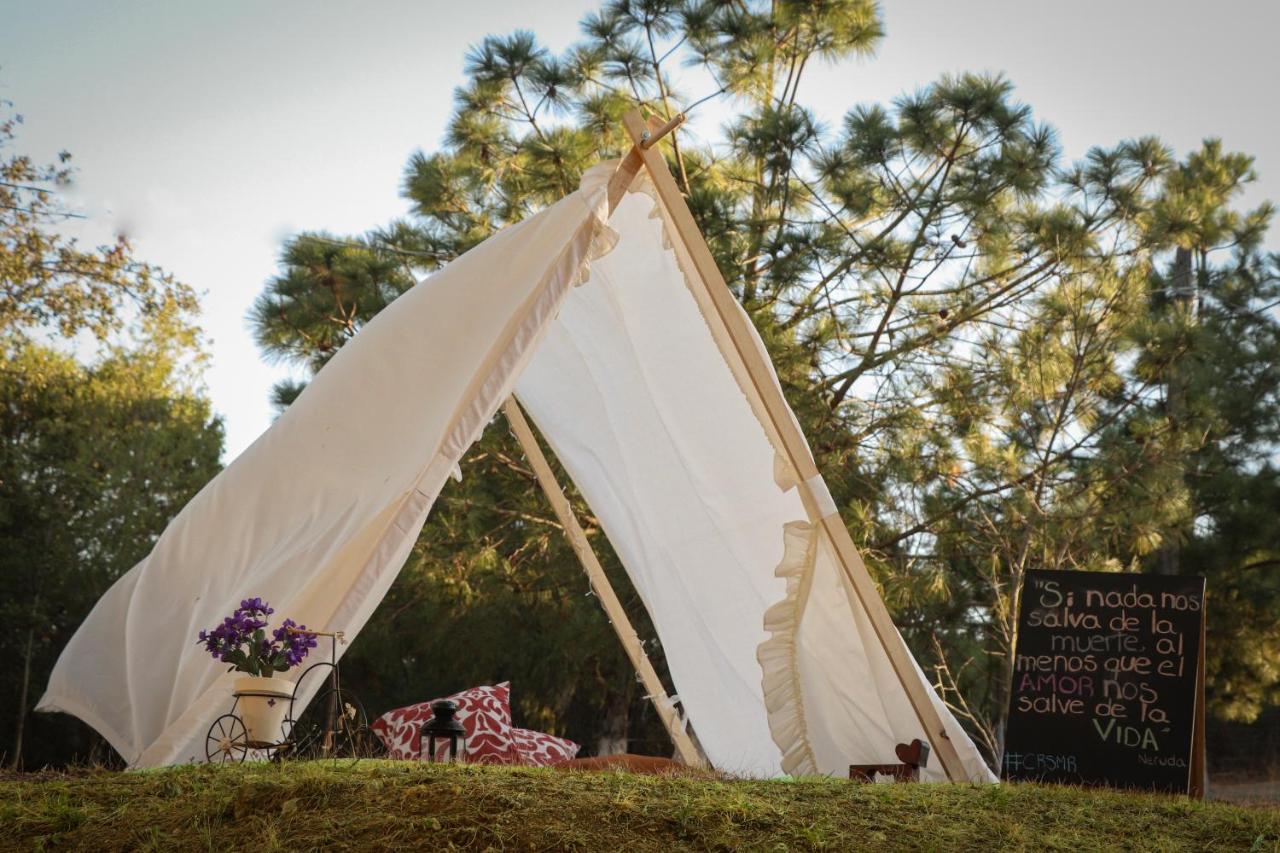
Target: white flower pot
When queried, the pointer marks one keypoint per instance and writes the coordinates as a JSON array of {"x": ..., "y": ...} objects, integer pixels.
[{"x": 264, "y": 702}]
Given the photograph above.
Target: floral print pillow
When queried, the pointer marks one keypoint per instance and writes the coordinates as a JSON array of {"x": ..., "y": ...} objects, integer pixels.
[
  {"x": 542, "y": 750},
  {"x": 485, "y": 714}
]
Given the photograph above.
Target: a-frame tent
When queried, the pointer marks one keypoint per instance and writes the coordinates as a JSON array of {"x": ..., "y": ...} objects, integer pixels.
[{"x": 605, "y": 315}]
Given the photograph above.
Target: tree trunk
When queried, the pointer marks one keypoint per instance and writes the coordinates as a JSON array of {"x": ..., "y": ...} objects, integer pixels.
[
  {"x": 1000, "y": 711},
  {"x": 1007, "y": 642},
  {"x": 1003, "y": 690},
  {"x": 613, "y": 733},
  {"x": 1185, "y": 301},
  {"x": 15, "y": 761}
]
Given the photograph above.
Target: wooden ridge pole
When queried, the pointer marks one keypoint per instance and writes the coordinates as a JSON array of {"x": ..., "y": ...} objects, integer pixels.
[
  {"x": 573, "y": 531},
  {"x": 812, "y": 491}
]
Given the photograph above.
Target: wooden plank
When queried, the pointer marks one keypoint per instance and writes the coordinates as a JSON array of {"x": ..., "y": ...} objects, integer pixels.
[
  {"x": 796, "y": 448},
  {"x": 1199, "y": 768},
  {"x": 618, "y": 618},
  {"x": 626, "y": 172}
]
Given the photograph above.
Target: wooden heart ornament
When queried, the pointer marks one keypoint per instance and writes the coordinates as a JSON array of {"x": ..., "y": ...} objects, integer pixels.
[{"x": 914, "y": 754}]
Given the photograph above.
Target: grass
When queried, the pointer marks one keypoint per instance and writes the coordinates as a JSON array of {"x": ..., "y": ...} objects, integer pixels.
[{"x": 385, "y": 804}]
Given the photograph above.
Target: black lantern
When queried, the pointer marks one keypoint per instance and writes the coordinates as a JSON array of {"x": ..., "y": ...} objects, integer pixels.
[{"x": 442, "y": 726}]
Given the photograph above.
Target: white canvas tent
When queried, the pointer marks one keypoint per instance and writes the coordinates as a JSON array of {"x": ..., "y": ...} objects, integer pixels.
[{"x": 605, "y": 316}]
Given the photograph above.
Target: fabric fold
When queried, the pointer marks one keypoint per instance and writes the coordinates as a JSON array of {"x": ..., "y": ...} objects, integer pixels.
[{"x": 320, "y": 513}]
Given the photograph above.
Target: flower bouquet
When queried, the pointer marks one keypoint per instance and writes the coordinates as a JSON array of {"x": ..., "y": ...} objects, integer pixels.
[{"x": 241, "y": 641}]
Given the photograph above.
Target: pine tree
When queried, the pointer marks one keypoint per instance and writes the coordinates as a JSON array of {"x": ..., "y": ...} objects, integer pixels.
[
  {"x": 963, "y": 323},
  {"x": 1212, "y": 345}
]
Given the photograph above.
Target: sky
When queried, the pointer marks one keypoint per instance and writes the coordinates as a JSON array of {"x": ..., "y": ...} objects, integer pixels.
[{"x": 209, "y": 132}]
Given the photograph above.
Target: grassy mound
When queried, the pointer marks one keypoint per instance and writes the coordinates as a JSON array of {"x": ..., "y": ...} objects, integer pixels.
[{"x": 381, "y": 804}]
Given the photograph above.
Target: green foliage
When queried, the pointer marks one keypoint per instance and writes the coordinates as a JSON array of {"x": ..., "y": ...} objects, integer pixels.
[
  {"x": 48, "y": 283},
  {"x": 1212, "y": 344},
  {"x": 95, "y": 456},
  {"x": 95, "y": 461},
  {"x": 329, "y": 287}
]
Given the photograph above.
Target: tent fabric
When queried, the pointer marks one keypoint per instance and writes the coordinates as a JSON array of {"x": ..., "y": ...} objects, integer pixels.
[
  {"x": 636, "y": 385},
  {"x": 774, "y": 660},
  {"x": 320, "y": 513}
]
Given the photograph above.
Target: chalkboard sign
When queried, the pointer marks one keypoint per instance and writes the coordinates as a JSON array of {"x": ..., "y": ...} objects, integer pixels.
[{"x": 1106, "y": 687}]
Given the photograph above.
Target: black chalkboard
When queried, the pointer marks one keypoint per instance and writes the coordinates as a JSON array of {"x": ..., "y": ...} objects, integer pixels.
[{"x": 1104, "y": 680}]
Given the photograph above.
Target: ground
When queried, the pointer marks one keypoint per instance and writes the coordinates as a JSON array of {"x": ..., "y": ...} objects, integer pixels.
[
  {"x": 373, "y": 805},
  {"x": 1251, "y": 791}
]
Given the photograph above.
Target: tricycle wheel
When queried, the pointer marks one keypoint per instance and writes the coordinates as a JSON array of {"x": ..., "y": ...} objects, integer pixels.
[
  {"x": 227, "y": 741},
  {"x": 333, "y": 725}
]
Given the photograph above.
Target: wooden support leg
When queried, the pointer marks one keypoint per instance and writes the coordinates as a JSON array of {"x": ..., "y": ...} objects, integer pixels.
[{"x": 685, "y": 747}]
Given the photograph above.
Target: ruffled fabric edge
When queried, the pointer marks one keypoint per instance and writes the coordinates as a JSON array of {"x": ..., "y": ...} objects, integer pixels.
[
  {"x": 777, "y": 656},
  {"x": 780, "y": 680}
]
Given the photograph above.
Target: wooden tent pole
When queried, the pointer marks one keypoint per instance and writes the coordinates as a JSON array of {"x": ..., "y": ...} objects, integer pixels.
[
  {"x": 623, "y": 176},
  {"x": 600, "y": 584},
  {"x": 630, "y": 165},
  {"x": 812, "y": 490}
]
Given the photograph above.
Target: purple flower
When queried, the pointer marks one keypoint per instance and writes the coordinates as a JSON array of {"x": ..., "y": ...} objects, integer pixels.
[
  {"x": 256, "y": 605},
  {"x": 295, "y": 646},
  {"x": 240, "y": 640}
]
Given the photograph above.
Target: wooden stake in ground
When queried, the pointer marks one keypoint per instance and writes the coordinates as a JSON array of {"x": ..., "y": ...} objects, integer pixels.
[
  {"x": 1199, "y": 771},
  {"x": 685, "y": 747},
  {"x": 812, "y": 490}
]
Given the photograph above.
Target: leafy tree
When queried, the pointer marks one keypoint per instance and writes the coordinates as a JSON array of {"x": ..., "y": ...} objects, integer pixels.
[
  {"x": 96, "y": 457},
  {"x": 94, "y": 463},
  {"x": 1109, "y": 415},
  {"x": 48, "y": 283},
  {"x": 328, "y": 289}
]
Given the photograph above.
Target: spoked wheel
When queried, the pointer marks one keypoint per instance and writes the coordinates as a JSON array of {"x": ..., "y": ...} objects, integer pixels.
[
  {"x": 227, "y": 741},
  {"x": 333, "y": 725}
]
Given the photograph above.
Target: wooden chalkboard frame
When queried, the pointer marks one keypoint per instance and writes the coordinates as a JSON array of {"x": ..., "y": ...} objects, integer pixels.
[
  {"x": 1199, "y": 772},
  {"x": 1049, "y": 724}
]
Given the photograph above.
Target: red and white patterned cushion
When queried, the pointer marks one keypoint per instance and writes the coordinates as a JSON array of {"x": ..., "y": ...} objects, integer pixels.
[
  {"x": 485, "y": 714},
  {"x": 542, "y": 750}
]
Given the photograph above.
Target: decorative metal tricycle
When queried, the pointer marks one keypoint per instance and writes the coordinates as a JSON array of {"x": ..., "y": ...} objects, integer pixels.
[{"x": 332, "y": 725}]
